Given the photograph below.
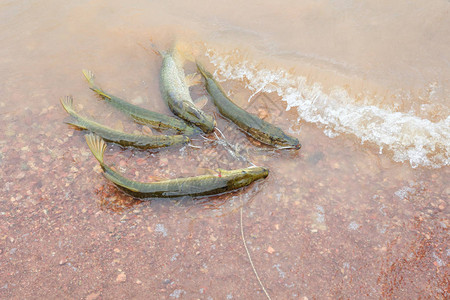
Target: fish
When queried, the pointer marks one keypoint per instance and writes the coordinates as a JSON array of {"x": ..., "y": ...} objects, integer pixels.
[
  {"x": 139, "y": 114},
  {"x": 119, "y": 137},
  {"x": 252, "y": 125},
  {"x": 175, "y": 91},
  {"x": 203, "y": 185}
]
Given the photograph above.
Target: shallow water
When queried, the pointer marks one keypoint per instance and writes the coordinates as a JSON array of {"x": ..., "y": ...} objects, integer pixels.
[{"x": 361, "y": 211}]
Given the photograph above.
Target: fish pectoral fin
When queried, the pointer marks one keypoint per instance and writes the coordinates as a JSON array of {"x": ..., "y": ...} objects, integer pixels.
[
  {"x": 201, "y": 102},
  {"x": 193, "y": 79},
  {"x": 76, "y": 123}
]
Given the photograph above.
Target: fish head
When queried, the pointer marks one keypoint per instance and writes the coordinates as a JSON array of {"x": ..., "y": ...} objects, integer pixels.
[
  {"x": 276, "y": 137},
  {"x": 244, "y": 177},
  {"x": 288, "y": 142},
  {"x": 208, "y": 125},
  {"x": 203, "y": 121}
]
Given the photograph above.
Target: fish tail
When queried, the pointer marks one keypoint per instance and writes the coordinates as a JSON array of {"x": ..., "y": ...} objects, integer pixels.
[
  {"x": 184, "y": 50},
  {"x": 89, "y": 75},
  {"x": 97, "y": 146},
  {"x": 67, "y": 103}
]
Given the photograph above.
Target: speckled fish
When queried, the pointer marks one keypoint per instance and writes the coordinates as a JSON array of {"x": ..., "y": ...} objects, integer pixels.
[
  {"x": 139, "y": 114},
  {"x": 175, "y": 91},
  {"x": 121, "y": 138},
  {"x": 255, "y": 127},
  {"x": 203, "y": 185}
]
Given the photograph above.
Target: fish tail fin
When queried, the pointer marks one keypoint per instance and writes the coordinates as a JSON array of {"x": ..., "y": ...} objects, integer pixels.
[
  {"x": 89, "y": 75},
  {"x": 97, "y": 146},
  {"x": 67, "y": 104},
  {"x": 185, "y": 50}
]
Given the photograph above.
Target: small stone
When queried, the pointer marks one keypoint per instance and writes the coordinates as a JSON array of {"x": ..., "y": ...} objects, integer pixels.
[
  {"x": 147, "y": 131},
  {"x": 121, "y": 277},
  {"x": 93, "y": 296},
  {"x": 138, "y": 281},
  {"x": 97, "y": 169},
  {"x": 163, "y": 161},
  {"x": 262, "y": 113},
  {"x": 46, "y": 158},
  {"x": 270, "y": 250}
]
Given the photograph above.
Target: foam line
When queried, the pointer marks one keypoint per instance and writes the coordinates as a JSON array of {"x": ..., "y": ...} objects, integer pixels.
[{"x": 412, "y": 139}]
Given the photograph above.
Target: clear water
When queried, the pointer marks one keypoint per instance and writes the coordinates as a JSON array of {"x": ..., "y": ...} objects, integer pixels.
[{"x": 361, "y": 211}]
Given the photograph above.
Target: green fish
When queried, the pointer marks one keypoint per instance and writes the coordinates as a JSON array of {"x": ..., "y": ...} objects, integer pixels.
[
  {"x": 203, "y": 185},
  {"x": 139, "y": 114},
  {"x": 175, "y": 91},
  {"x": 251, "y": 124},
  {"x": 121, "y": 138}
]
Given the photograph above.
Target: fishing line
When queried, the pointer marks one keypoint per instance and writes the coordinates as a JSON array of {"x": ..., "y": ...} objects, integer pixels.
[
  {"x": 250, "y": 259},
  {"x": 193, "y": 146}
]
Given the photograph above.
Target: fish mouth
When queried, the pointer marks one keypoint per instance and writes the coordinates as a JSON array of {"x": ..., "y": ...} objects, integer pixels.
[
  {"x": 295, "y": 144},
  {"x": 265, "y": 172},
  {"x": 291, "y": 143}
]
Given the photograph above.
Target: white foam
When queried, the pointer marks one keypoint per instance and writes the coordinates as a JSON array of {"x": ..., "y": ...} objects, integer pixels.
[{"x": 419, "y": 141}]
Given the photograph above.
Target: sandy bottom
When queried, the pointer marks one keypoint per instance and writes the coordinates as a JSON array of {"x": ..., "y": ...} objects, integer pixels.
[{"x": 333, "y": 220}]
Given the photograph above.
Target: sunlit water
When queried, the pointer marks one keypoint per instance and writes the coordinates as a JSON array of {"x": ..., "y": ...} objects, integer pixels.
[{"x": 361, "y": 211}]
